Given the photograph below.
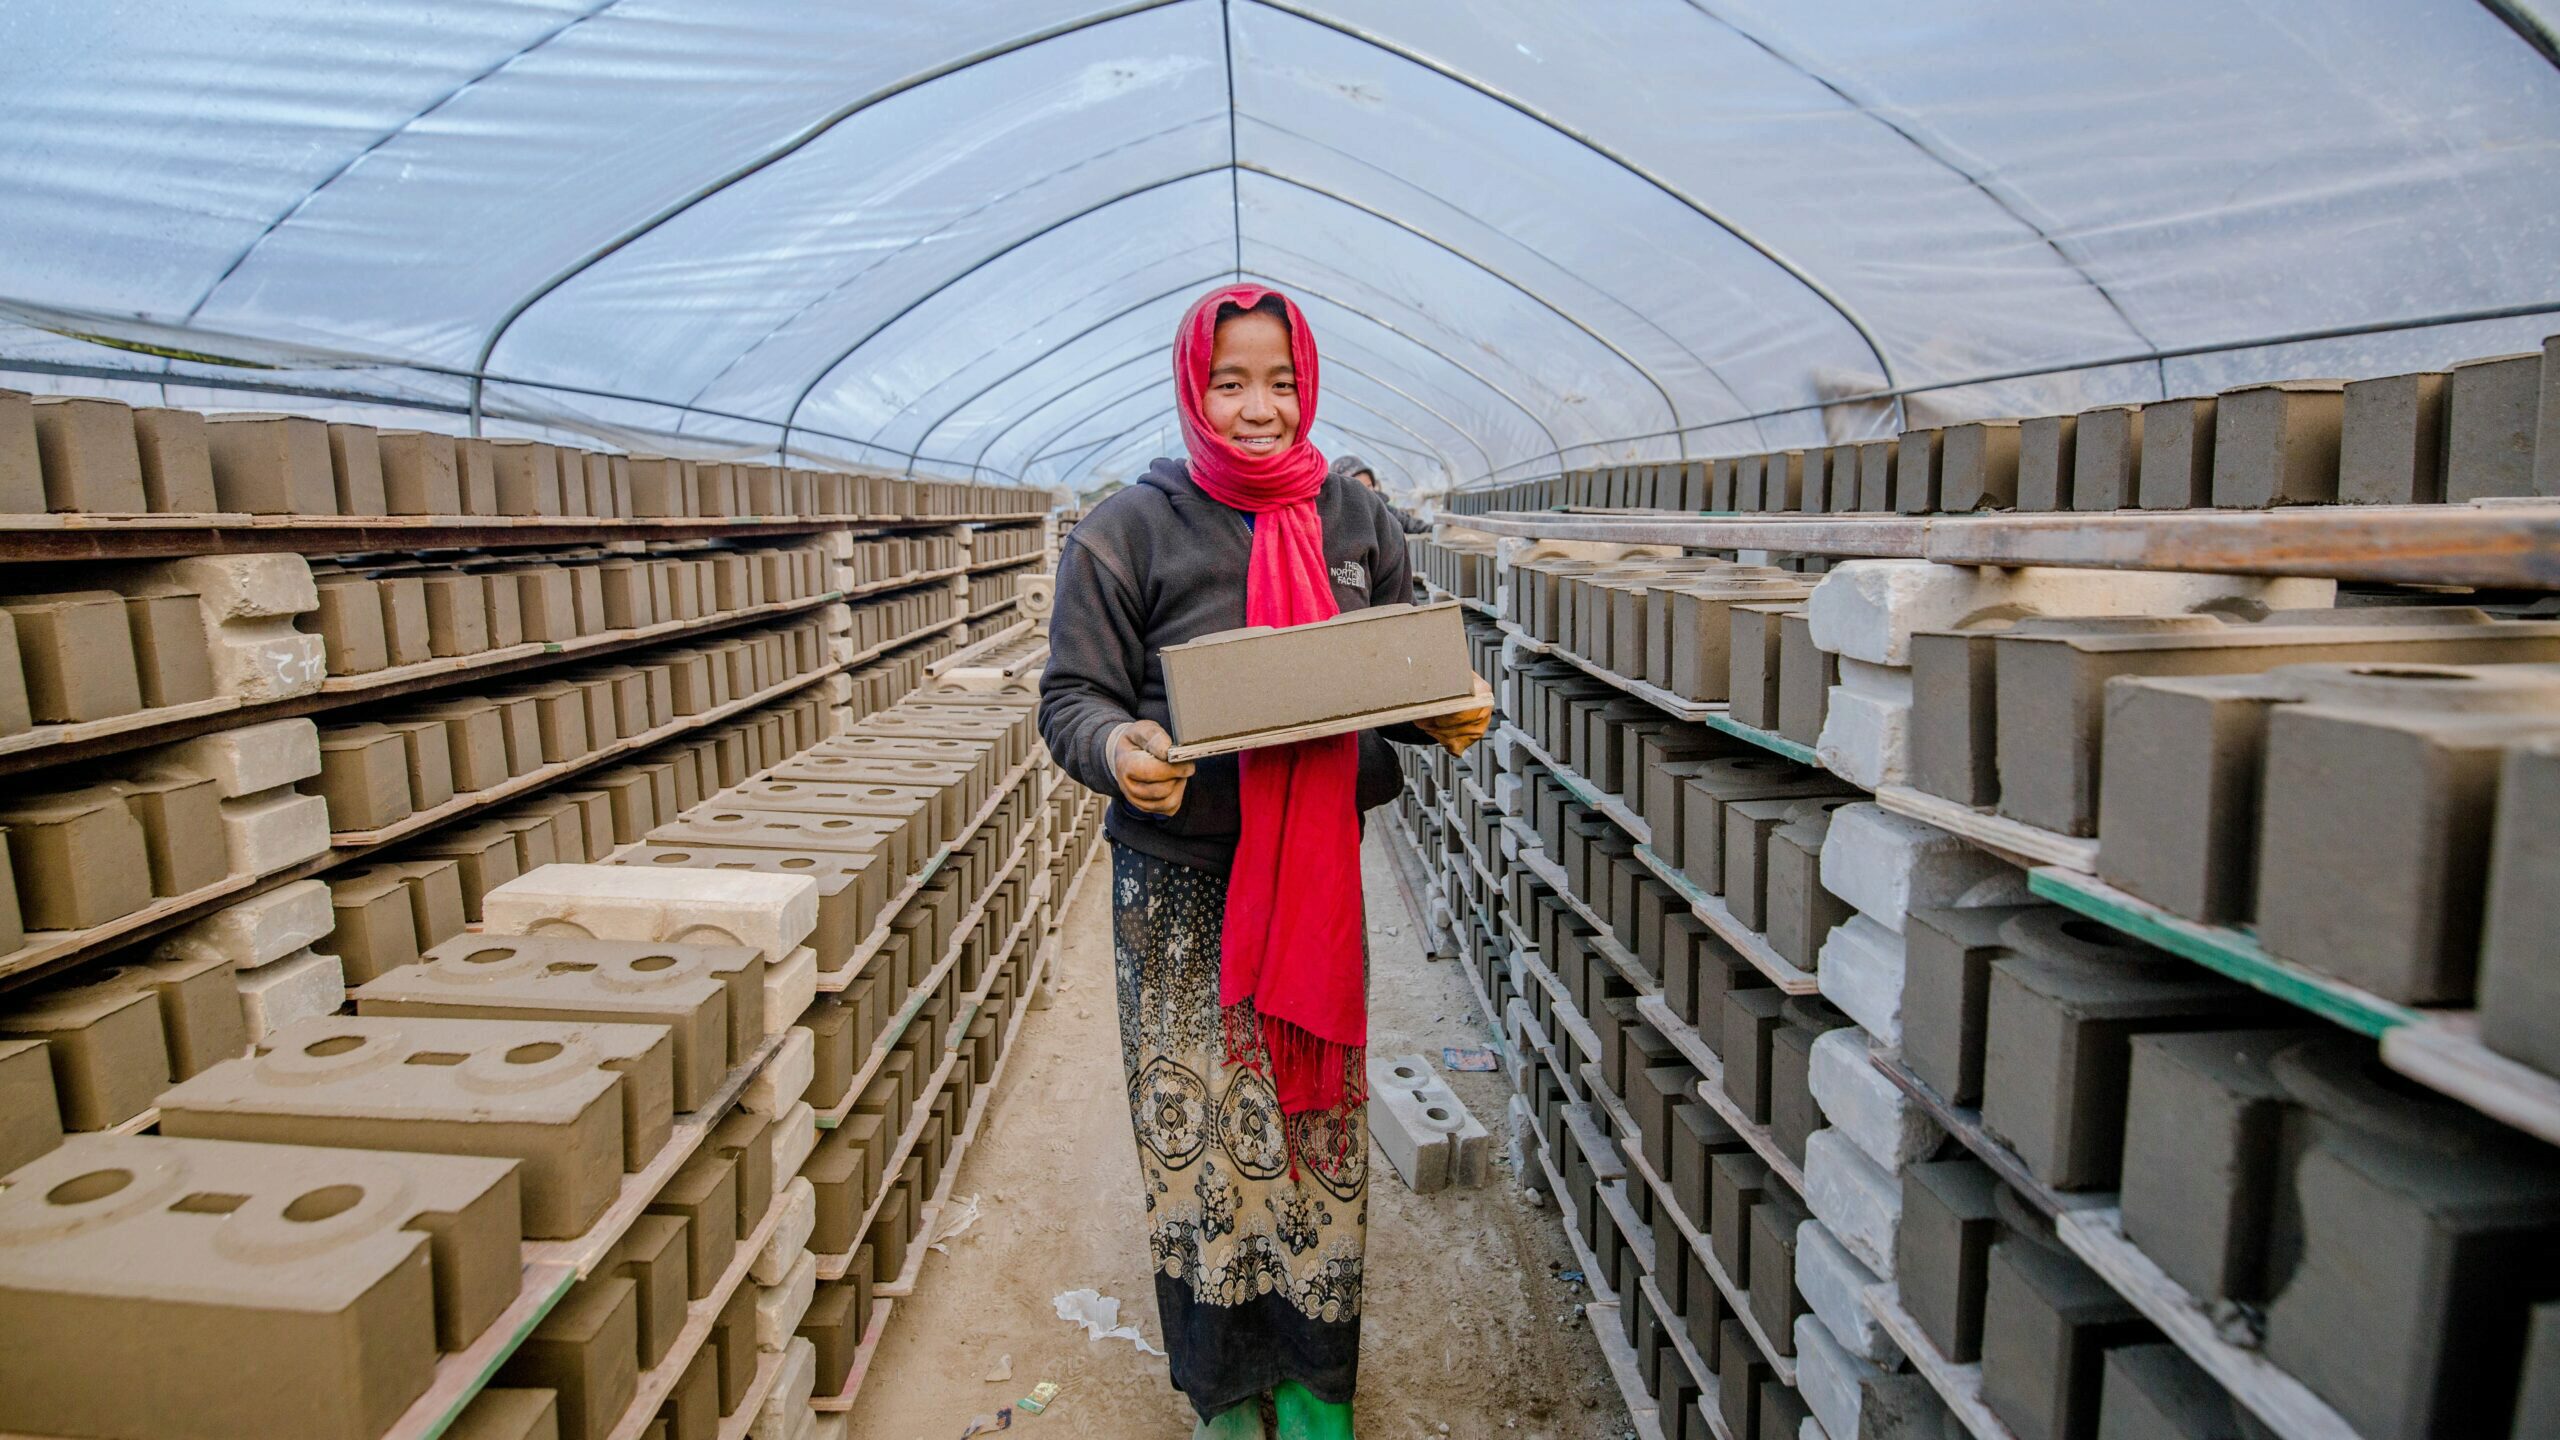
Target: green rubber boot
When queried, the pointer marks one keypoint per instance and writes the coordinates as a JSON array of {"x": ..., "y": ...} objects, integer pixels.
[
  {"x": 1304, "y": 1417},
  {"x": 1236, "y": 1422}
]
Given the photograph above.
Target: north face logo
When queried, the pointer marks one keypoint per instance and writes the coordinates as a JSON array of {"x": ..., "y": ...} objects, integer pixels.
[{"x": 1349, "y": 573}]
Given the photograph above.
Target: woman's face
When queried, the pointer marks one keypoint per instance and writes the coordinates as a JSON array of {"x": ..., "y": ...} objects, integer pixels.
[{"x": 1253, "y": 391}]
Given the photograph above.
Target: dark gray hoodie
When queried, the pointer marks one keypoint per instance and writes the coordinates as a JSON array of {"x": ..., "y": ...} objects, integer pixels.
[{"x": 1160, "y": 563}]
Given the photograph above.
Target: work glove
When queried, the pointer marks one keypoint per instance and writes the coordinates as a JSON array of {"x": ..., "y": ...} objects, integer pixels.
[{"x": 1456, "y": 732}]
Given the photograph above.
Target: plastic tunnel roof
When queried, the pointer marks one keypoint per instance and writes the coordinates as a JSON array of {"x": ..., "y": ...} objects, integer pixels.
[{"x": 954, "y": 238}]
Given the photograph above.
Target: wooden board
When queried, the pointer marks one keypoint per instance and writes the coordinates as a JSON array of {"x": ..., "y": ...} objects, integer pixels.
[
  {"x": 1965, "y": 1124},
  {"x": 863, "y": 1355},
  {"x": 1319, "y": 729},
  {"x": 2284, "y": 1403},
  {"x": 2444, "y": 1053},
  {"x": 2015, "y": 841},
  {"x": 2228, "y": 950},
  {"x": 1654, "y": 695},
  {"x": 751, "y": 1406},
  {"x": 142, "y": 722},
  {"x": 1959, "y": 1385},
  {"x": 46, "y": 949}
]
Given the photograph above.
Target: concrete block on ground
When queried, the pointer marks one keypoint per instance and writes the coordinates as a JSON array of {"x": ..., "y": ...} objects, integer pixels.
[
  {"x": 1861, "y": 972},
  {"x": 784, "y": 1078},
  {"x": 1886, "y": 865},
  {"x": 1425, "y": 1131},
  {"x": 1875, "y": 1114},
  {"x": 259, "y": 930},
  {"x": 1853, "y": 1198},
  {"x": 303, "y": 986},
  {"x": 1833, "y": 1284},
  {"x": 1866, "y": 731}
]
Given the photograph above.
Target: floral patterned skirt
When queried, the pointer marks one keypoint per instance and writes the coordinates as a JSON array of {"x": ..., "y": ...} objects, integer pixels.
[{"x": 1256, "y": 1221}]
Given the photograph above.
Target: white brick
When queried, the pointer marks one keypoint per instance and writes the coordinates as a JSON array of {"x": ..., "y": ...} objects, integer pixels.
[
  {"x": 785, "y": 1413},
  {"x": 783, "y": 1248},
  {"x": 259, "y": 930},
  {"x": 789, "y": 989},
  {"x": 250, "y": 760},
  {"x": 795, "y": 1135},
  {"x": 785, "y": 1077},
  {"x": 779, "y": 1308},
  {"x": 1853, "y": 1198},
  {"x": 236, "y": 587},
  {"x": 303, "y": 987},
  {"x": 271, "y": 832},
  {"x": 1866, "y": 730},
  {"x": 1868, "y": 609},
  {"x": 1834, "y": 1284},
  {"x": 1873, "y": 1112},
  {"x": 770, "y": 913},
  {"x": 1860, "y": 971},
  {"x": 1887, "y": 865}
]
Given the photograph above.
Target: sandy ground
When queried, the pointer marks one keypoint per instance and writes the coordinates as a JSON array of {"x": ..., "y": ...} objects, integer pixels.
[{"x": 1468, "y": 1330}]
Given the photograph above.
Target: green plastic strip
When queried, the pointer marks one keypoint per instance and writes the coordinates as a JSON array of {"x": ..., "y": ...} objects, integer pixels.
[
  {"x": 2224, "y": 949},
  {"x": 1765, "y": 739}
]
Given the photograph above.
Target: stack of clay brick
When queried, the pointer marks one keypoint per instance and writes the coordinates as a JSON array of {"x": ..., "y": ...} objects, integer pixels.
[
  {"x": 998, "y": 544},
  {"x": 2481, "y": 429},
  {"x": 88, "y": 456},
  {"x": 1456, "y": 564},
  {"x": 888, "y": 559},
  {"x": 993, "y": 590},
  {"x": 386, "y": 762},
  {"x": 871, "y": 908},
  {"x": 380, "y": 613}
]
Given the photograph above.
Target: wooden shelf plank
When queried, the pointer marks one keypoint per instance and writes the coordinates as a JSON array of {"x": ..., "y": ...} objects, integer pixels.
[
  {"x": 2444, "y": 1053},
  {"x": 1719, "y": 917},
  {"x": 2015, "y": 841},
  {"x": 1769, "y": 740},
  {"x": 2230, "y": 951},
  {"x": 2284, "y": 1403},
  {"x": 461, "y": 1376}
]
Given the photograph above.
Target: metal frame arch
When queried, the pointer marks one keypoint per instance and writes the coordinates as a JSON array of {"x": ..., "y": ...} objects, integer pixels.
[
  {"x": 942, "y": 228},
  {"x": 1331, "y": 363},
  {"x": 1525, "y": 110},
  {"x": 1299, "y": 287},
  {"x": 1669, "y": 405},
  {"x": 1398, "y": 178},
  {"x": 1051, "y": 352},
  {"x": 791, "y": 417},
  {"x": 1016, "y": 422},
  {"x": 1434, "y": 451},
  {"x": 1542, "y": 301},
  {"x": 792, "y": 147}
]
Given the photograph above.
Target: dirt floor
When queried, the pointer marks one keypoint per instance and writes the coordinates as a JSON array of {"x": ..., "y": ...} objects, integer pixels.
[{"x": 1469, "y": 1332}]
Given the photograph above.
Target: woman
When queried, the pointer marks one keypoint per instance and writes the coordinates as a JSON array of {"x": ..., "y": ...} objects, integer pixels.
[{"x": 1236, "y": 881}]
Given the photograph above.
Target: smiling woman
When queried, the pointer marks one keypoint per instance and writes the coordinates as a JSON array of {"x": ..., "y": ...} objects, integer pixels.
[{"x": 1236, "y": 901}]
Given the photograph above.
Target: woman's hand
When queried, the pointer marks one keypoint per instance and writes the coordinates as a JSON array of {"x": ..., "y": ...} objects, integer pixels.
[
  {"x": 1147, "y": 780},
  {"x": 1456, "y": 732}
]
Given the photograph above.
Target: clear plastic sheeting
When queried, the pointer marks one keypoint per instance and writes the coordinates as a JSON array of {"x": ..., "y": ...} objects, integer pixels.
[{"x": 955, "y": 239}]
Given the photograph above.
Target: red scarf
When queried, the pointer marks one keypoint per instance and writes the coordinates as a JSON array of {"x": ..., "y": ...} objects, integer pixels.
[{"x": 1292, "y": 947}]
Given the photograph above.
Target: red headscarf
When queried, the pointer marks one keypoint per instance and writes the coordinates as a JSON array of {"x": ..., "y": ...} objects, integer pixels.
[{"x": 1292, "y": 967}]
